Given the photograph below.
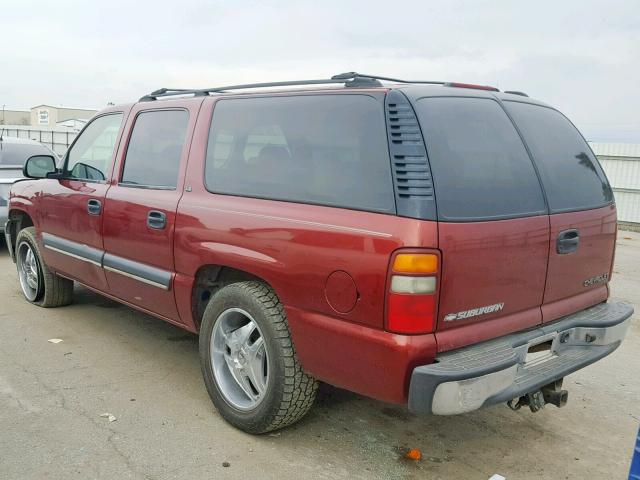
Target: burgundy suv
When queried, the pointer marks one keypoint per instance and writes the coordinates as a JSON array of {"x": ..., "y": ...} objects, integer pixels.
[{"x": 438, "y": 244}]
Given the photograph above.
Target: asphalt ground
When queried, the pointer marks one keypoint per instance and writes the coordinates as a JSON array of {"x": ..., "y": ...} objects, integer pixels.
[{"x": 146, "y": 374}]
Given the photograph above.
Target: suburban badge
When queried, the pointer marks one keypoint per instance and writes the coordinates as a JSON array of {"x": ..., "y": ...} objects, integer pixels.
[{"x": 474, "y": 312}]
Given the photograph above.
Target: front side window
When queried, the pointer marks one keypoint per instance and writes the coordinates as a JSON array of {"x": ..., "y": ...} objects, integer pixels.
[
  {"x": 571, "y": 175},
  {"x": 320, "y": 149},
  {"x": 155, "y": 149},
  {"x": 481, "y": 170},
  {"x": 91, "y": 155}
]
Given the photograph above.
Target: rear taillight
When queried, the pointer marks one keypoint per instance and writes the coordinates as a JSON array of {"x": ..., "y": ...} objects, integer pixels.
[{"x": 412, "y": 292}]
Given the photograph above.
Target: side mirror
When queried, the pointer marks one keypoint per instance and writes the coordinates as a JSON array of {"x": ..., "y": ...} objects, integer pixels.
[{"x": 39, "y": 166}]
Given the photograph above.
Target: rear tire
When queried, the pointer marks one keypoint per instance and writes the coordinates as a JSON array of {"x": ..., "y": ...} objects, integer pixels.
[
  {"x": 242, "y": 318},
  {"x": 39, "y": 285}
]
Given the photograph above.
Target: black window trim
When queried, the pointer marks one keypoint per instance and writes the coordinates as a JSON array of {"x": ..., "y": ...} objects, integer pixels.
[
  {"x": 549, "y": 209},
  {"x": 65, "y": 162},
  {"x": 488, "y": 218},
  {"x": 146, "y": 186},
  {"x": 290, "y": 95}
]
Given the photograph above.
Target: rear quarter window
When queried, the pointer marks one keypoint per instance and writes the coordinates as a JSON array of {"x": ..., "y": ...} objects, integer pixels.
[
  {"x": 319, "y": 149},
  {"x": 481, "y": 170},
  {"x": 571, "y": 174}
]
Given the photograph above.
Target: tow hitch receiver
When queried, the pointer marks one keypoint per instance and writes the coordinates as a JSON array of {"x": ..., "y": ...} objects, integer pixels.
[{"x": 551, "y": 393}]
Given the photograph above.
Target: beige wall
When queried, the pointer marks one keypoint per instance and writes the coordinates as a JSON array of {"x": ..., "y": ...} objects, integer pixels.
[
  {"x": 69, "y": 113},
  {"x": 15, "y": 117},
  {"x": 44, "y": 116},
  {"x": 53, "y": 115}
]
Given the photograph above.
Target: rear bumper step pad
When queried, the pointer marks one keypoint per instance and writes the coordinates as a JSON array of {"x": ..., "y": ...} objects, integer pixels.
[{"x": 497, "y": 370}]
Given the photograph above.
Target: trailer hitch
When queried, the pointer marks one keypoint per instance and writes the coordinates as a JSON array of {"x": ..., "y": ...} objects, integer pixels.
[{"x": 551, "y": 393}]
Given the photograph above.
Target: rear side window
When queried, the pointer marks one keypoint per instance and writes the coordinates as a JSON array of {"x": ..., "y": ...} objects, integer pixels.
[
  {"x": 571, "y": 175},
  {"x": 155, "y": 149},
  {"x": 481, "y": 170},
  {"x": 323, "y": 149}
]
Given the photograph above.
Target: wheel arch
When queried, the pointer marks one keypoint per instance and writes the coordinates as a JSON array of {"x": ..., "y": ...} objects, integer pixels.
[
  {"x": 18, "y": 219},
  {"x": 209, "y": 279}
]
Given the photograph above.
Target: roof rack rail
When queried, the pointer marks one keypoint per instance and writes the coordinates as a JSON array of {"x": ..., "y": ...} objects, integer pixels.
[
  {"x": 349, "y": 79},
  {"x": 516, "y": 92}
]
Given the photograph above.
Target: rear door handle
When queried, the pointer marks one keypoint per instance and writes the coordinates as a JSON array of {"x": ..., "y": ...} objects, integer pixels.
[
  {"x": 156, "y": 220},
  {"x": 94, "y": 207},
  {"x": 568, "y": 241}
]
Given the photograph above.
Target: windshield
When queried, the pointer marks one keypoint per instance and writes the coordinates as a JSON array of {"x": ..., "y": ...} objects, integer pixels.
[{"x": 17, "y": 153}]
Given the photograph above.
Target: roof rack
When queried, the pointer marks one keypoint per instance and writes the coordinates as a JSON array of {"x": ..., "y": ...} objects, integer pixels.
[
  {"x": 349, "y": 79},
  {"x": 515, "y": 92}
]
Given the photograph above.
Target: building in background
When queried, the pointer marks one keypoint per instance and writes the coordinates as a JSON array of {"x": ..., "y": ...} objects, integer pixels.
[
  {"x": 55, "y": 127},
  {"x": 47, "y": 116},
  {"x": 15, "y": 117},
  {"x": 50, "y": 116},
  {"x": 621, "y": 163}
]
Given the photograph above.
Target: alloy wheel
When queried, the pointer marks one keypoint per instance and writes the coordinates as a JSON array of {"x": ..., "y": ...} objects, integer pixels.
[
  {"x": 28, "y": 271},
  {"x": 240, "y": 359}
]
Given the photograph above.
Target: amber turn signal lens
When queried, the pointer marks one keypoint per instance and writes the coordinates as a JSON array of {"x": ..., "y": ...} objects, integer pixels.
[{"x": 415, "y": 263}]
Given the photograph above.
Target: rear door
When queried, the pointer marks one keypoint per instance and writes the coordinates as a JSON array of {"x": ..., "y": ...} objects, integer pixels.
[
  {"x": 492, "y": 220},
  {"x": 582, "y": 213},
  {"x": 140, "y": 210}
]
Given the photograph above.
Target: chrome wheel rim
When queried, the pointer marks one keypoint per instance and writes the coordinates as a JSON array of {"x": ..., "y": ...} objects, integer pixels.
[
  {"x": 240, "y": 359},
  {"x": 28, "y": 271}
]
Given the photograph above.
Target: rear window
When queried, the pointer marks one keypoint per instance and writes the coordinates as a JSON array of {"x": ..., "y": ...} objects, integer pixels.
[
  {"x": 571, "y": 175},
  {"x": 18, "y": 153},
  {"x": 481, "y": 170},
  {"x": 324, "y": 149}
]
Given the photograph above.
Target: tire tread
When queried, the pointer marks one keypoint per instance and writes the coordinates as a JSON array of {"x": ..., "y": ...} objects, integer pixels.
[
  {"x": 296, "y": 390},
  {"x": 300, "y": 389}
]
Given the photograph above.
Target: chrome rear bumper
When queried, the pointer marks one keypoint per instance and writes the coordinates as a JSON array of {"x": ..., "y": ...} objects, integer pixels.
[{"x": 500, "y": 370}]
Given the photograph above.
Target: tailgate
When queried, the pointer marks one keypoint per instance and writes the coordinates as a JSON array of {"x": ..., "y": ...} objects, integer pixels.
[
  {"x": 582, "y": 214},
  {"x": 579, "y": 279}
]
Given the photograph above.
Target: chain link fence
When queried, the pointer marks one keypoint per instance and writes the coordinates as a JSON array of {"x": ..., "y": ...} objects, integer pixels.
[{"x": 58, "y": 139}]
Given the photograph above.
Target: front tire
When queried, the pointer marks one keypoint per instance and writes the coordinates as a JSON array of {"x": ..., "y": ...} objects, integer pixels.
[
  {"x": 39, "y": 285},
  {"x": 249, "y": 363}
]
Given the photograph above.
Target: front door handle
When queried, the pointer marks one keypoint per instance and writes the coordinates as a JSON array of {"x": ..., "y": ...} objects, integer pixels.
[
  {"x": 156, "y": 220},
  {"x": 568, "y": 241},
  {"x": 94, "y": 207}
]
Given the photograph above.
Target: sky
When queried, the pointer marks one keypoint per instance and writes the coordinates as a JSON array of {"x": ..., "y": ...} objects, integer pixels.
[{"x": 583, "y": 57}]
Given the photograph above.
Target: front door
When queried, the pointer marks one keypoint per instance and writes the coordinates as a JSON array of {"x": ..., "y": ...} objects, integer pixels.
[
  {"x": 72, "y": 207},
  {"x": 140, "y": 209}
]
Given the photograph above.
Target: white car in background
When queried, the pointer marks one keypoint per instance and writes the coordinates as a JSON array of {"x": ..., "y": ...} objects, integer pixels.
[{"x": 14, "y": 152}]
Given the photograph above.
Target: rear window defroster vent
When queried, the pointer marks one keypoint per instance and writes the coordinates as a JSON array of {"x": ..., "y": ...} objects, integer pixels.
[{"x": 411, "y": 173}]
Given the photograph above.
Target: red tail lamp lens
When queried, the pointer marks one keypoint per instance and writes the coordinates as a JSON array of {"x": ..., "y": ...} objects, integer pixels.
[{"x": 410, "y": 314}]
